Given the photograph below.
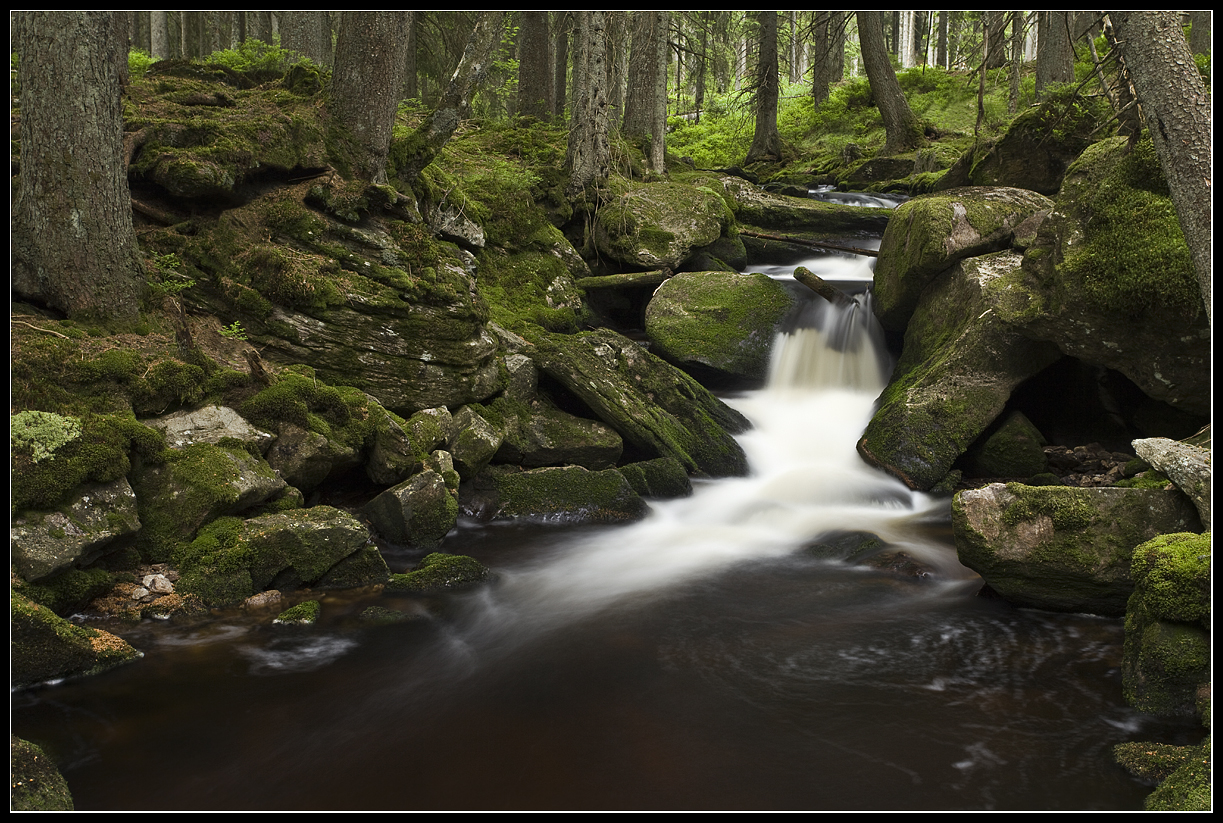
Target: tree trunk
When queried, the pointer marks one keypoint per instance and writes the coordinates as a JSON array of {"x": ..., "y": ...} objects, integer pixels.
[
  {"x": 455, "y": 103},
  {"x": 535, "y": 69},
  {"x": 827, "y": 54},
  {"x": 259, "y": 26},
  {"x": 1054, "y": 56},
  {"x": 159, "y": 35},
  {"x": 73, "y": 245},
  {"x": 307, "y": 33},
  {"x": 589, "y": 151},
  {"x": 1199, "y": 34},
  {"x": 645, "y": 105},
  {"x": 941, "y": 51},
  {"x": 1016, "y": 59},
  {"x": 365, "y": 86},
  {"x": 904, "y": 130},
  {"x": 766, "y": 142},
  {"x": 1177, "y": 110},
  {"x": 563, "y": 23},
  {"x": 995, "y": 55}
]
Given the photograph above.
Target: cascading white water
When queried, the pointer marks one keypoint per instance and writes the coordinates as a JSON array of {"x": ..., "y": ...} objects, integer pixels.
[{"x": 806, "y": 480}]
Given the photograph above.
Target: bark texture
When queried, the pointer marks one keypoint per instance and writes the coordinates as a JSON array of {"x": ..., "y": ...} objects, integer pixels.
[
  {"x": 904, "y": 131},
  {"x": 308, "y": 33},
  {"x": 1177, "y": 110},
  {"x": 369, "y": 69},
  {"x": 73, "y": 244},
  {"x": 536, "y": 76},
  {"x": 1054, "y": 56},
  {"x": 766, "y": 142},
  {"x": 589, "y": 151},
  {"x": 645, "y": 105}
]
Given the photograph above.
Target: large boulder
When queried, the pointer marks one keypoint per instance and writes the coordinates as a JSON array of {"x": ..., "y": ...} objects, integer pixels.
[
  {"x": 1109, "y": 279},
  {"x": 305, "y": 458},
  {"x": 659, "y": 224},
  {"x": 231, "y": 559},
  {"x": 1186, "y": 465},
  {"x": 1059, "y": 548},
  {"x": 37, "y": 784},
  {"x": 928, "y": 234},
  {"x": 718, "y": 325},
  {"x": 44, "y": 646},
  {"x": 76, "y": 533},
  {"x": 1167, "y": 624},
  {"x": 654, "y": 406},
  {"x": 539, "y": 434},
  {"x": 565, "y": 494},
  {"x": 418, "y": 512},
  {"x": 196, "y": 484},
  {"x": 960, "y": 362},
  {"x": 209, "y": 424}
]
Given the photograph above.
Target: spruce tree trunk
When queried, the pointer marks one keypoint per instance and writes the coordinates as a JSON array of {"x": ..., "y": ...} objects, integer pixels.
[
  {"x": 73, "y": 245},
  {"x": 535, "y": 70},
  {"x": 645, "y": 105},
  {"x": 159, "y": 35},
  {"x": 589, "y": 151},
  {"x": 307, "y": 33},
  {"x": 365, "y": 86},
  {"x": 904, "y": 131},
  {"x": 1177, "y": 110},
  {"x": 1054, "y": 56},
  {"x": 766, "y": 142}
]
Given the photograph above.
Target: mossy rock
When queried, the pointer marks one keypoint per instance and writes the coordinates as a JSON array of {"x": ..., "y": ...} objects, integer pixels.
[
  {"x": 95, "y": 520},
  {"x": 1013, "y": 448},
  {"x": 1188, "y": 788},
  {"x": 1172, "y": 573},
  {"x": 439, "y": 572},
  {"x": 718, "y": 325},
  {"x": 418, "y": 512},
  {"x": 957, "y": 370},
  {"x": 47, "y": 647},
  {"x": 659, "y": 224},
  {"x": 1058, "y": 548},
  {"x": 303, "y": 614},
  {"x": 568, "y": 494},
  {"x": 663, "y": 478},
  {"x": 1163, "y": 663},
  {"x": 37, "y": 785}
]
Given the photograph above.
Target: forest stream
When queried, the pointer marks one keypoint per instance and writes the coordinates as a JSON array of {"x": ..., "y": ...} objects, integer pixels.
[{"x": 711, "y": 656}]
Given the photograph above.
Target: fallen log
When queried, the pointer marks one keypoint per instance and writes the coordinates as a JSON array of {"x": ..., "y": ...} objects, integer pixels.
[
  {"x": 819, "y": 244},
  {"x": 822, "y": 287},
  {"x": 632, "y": 278}
]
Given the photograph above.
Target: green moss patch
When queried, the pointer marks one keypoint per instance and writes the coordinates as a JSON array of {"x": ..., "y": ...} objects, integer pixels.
[{"x": 440, "y": 572}]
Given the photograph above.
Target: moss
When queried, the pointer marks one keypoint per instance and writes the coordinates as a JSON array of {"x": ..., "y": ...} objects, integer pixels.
[
  {"x": 1068, "y": 508},
  {"x": 303, "y": 614},
  {"x": 36, "y": 784},
  {"x": 69, "y": 590},
  {"x": 1172, "y": 573},
  {"x": 47, "y": 647},
  {"x": 529, "y": 289},
  {"x": 439, "y": 572},
  {"x": 1188, "y": 788},
  {"x": 100, "y": 454},
  {"x": 1133, "y": 253}
]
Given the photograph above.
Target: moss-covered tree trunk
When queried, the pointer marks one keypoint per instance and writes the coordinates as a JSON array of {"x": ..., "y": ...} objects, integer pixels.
[
  {"x": 903, "y": 129},
  {"x": 73, "y": 244},
  {"x": 1177, "y": 110},
  {"x": 435, "y": 132},
  {"x": 766, "y": 142},
  {"x": 368, "y": 77}
]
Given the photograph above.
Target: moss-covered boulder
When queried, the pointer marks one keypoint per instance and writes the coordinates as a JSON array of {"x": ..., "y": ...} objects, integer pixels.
[
  {"x": 44, "y": 646},
  {"x": 1167, "y": 624},
  {"x": 231, "y": 560},
  {"x": 197, "y": 484},
  {"x": 654, "y": 406},
  {"x": 663, "y": 478},
  {"x": 1036, "y": 150},
  {"x": 440, "y": 572},
  {"x": 928, "y": 234},
  {"x": 1186, "y": 465},
  {"x": 659, "y": 224},
  {"x": 718, "y": 325},
  {"x": 566, "y": 494},
  {"x": 1011, "y": 448},
  {"x": 418, "y": 512},
  {"x": 37, "y": 785},
  {"x": 1059, "y": 548},
  {"x": 476, "y": 437},
  {"x": 1183, "y": 774},
  {"x": 76, "y": 532},
  {"x": 960, "y": 362},
  {"x": 1109, "y": 279},
  {"x": 303, "y": 614},
  {"x": 539, "y": 434}
]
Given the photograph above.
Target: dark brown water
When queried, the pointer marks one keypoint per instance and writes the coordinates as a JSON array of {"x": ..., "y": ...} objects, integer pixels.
[{"x": 699, "y": 660}]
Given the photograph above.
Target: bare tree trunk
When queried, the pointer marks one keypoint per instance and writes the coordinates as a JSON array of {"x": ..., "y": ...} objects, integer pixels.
[
  {"x": 1054, "y": 56},
  {"x": 73, "y": 245},
  {"x": 307, "y": 33},
  {"x": 1177, "y": 110},
  {"x": 1199, "y": 34},
  {"x": 259, "y": 26},
  {"x": 589, "y": 151},
  {"x": 367, "y": 80},
  {"x": 1016, "y": 59},
  {"x": 159, "y": 35},
  {"x": 563, "y": 23},
  {"x": 941, "y": 52},
  {"x": 904, "y": 130},
  {"x": 645, "y": 105},
  {"x": 995, "y": 55},
  {"x": 766, "y": 142},
  {"x": 535, "y": 70}
]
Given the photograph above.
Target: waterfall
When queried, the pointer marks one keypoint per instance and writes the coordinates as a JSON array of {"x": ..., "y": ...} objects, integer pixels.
[{"x": 806, "y": 480}]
